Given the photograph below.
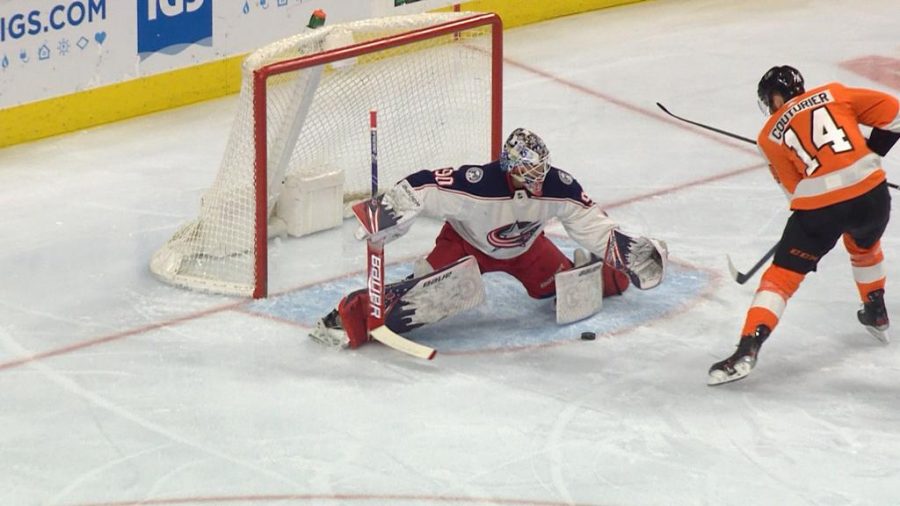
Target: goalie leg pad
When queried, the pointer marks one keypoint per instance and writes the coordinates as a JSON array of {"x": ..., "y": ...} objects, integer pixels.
[
  {"x": 614, "y": 282},
  {"x": 445, "y": 292},
  {"x": 579, "y": 292},
  {"x": 409, "y": 304}
]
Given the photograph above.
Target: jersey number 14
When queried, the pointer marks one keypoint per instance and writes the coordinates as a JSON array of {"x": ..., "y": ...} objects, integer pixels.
[{"x": 825, "y": 132}]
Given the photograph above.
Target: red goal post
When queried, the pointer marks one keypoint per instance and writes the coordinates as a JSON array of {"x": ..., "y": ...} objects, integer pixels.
[{"x": 436, "y": 80}]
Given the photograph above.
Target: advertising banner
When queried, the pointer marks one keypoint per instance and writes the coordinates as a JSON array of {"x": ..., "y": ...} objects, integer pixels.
[{"x": 50, "y": 48}]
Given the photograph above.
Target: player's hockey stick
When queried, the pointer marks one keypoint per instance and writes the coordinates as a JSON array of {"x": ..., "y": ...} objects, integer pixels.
[
  {"x": 742, "y": 277},
  {"x": 729, "y": 134},
  {"x": 701, "y": 125},
  {"x": 375, "y": 272}
]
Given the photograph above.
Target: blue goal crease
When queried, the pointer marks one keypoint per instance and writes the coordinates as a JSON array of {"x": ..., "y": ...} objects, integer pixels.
[{"x": 508, "y": 319}]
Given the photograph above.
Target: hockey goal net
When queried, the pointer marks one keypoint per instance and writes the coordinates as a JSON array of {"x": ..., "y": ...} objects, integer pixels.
[{"x": 298, "y": 151}]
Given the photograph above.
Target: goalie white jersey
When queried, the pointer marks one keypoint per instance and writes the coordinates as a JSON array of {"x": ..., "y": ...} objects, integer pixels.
[{"x": 482, "y": 205}]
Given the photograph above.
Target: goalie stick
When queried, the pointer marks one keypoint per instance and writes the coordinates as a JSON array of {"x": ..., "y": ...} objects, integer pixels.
[{"x": 375, "y": 271}]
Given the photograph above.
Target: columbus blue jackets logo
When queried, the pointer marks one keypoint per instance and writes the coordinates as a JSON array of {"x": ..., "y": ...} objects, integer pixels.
[
  {"x": 565, "y": 177},
  {"x": 514, "y": 235},
  {"x": 474, "y": 174}
]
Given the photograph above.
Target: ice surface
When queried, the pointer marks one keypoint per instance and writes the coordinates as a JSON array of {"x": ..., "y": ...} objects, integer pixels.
[{"x": 117, "y": 389}]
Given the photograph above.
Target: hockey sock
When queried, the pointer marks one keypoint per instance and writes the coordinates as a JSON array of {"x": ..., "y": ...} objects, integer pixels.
[
  {"x": 868, "y": 267},
  {"x": 775, "y": 288}
]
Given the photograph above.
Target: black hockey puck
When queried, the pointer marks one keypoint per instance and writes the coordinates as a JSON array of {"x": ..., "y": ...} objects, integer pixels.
[{"x": 588, "y": 336}]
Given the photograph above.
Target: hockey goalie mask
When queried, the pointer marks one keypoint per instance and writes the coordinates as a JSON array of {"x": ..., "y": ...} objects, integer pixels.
[{"x": 526, "y": 158}]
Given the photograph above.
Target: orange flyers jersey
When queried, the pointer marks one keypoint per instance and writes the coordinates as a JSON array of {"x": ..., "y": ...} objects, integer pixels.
[{"x": 815, "y": 148}]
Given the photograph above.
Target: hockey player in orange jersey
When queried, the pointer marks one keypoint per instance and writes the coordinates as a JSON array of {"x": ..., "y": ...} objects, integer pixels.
[{"x": 837, "y": 189}]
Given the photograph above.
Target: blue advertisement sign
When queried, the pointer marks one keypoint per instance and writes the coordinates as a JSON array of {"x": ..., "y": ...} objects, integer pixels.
[{"x": 170, "y": 26}]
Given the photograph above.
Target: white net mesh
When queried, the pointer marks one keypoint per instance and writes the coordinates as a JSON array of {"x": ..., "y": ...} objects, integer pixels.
[{"x": 433, "y": 99}]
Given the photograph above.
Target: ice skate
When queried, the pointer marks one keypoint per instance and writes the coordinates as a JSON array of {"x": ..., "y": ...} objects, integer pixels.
[
  {"x": 874, "y": 317},
  {"x": 329, "y": 331},
  {"x": 742, "y": 361}
]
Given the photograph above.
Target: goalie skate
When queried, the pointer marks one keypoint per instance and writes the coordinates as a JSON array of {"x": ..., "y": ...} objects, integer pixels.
[{"x": 329, "y": 331}]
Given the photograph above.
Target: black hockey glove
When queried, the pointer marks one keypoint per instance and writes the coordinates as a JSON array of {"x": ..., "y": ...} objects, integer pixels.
[{"x": 881, "y": 141}]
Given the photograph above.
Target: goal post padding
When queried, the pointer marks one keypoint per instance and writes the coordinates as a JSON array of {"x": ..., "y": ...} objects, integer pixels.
[{"x": 298, "y": 151}]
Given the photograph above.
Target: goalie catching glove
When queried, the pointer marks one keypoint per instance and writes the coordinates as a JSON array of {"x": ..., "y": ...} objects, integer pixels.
[
  {"x": 641, "y": 258},
  {"x": 388, "y": 216}
]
